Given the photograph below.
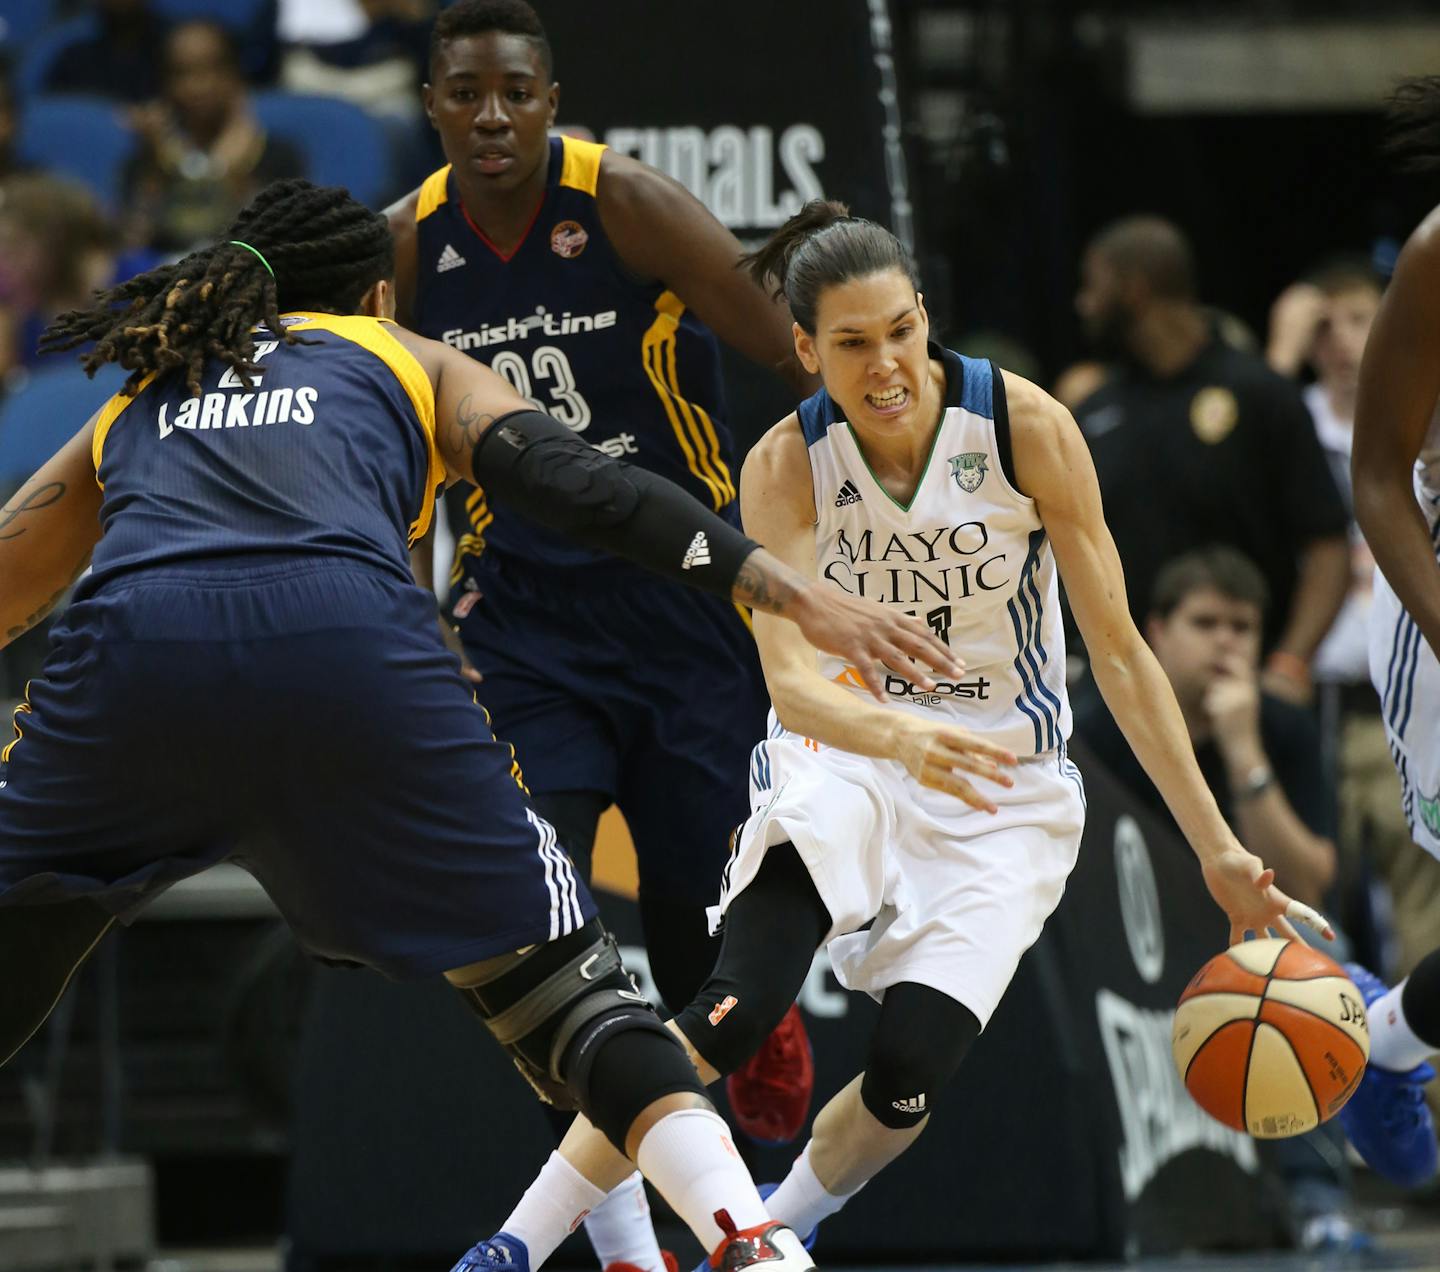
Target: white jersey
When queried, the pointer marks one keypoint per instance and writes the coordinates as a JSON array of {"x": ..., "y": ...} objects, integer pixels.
[
  {"x": 967, "y": 554},
  {"x": 1406, "y": 675}
]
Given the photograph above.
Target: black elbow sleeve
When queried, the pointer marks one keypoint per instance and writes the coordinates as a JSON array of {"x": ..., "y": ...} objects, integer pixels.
[{"x": 545, "y": 472}]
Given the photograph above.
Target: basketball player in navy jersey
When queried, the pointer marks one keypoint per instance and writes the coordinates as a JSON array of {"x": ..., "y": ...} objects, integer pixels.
[
  {"x": 598, "y": 286},
  {"x": 245, "y": 504}
]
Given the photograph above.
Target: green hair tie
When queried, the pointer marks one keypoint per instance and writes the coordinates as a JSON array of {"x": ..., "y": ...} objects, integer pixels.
[{"x": 248, "y": 248}]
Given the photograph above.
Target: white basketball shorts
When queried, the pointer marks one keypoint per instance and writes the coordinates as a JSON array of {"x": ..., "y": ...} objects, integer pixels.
[
  {"x": 1407, "y": 678},
  {"x": 956, "y": 895}
]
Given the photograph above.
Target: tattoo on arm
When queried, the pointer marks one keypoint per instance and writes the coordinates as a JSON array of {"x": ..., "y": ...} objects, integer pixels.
[
  {"x": 37, "y": 616},
  {"x": 28, "y": 499},
  {"x": 764, "y": 584},
  {"x": 19, "y": 630},
  {"x": 40, "y": 614},
  {"x": 461, "y": 433}
]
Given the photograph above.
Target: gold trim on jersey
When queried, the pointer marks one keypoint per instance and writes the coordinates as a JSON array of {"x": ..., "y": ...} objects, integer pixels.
[
  {"x": 693, "y": 428},
  {"x": 22, "y": 707},
  {"x": 433, "y": 193},
  {"x": 371, "y": 335},
  {"x": 109, "y": 413},
  {"x": 515, "y": 773},
  {"x": 580, "y": 169},
  {"x": 477, "y": 509}
]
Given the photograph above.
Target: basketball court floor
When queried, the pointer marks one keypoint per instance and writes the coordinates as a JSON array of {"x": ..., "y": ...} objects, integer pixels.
[{"x": 1407, "y": 1240}]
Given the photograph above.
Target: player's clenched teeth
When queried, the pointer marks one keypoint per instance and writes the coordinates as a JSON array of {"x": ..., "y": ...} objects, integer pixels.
[{"x": 889, "y": 399}]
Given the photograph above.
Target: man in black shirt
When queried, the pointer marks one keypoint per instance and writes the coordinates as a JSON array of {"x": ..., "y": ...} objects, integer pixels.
[{"x": 1196, "y": 442}]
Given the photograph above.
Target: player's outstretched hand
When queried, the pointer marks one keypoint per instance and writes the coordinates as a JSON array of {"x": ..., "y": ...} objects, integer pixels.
[
  {"x": 936, "y": 755},
  {"x": 1245, "y": 889},
  {"x": 872, "y": 638}
]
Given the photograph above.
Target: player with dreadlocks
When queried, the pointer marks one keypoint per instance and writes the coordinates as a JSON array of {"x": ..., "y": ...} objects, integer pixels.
[{"x": 248, "y": 672}]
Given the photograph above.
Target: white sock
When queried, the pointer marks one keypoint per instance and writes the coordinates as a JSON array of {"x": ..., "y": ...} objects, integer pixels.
[
  {"x": 1393, "y": 1044},
  {"x": 802, "y": 1200},
  {"x": 690, "y": 1158},
  {"x": 620, "y": 1228},
  {"x": 552, "y": 1208}
]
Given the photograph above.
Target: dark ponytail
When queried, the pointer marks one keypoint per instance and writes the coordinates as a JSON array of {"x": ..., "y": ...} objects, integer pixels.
[
  {"x": 326, "y": 250},
  {"x": 1413, "y": 124},
  {"x": 818, "y": 247}
]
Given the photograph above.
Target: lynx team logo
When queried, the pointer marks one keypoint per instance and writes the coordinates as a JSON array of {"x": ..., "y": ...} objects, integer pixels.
[
  {"x": 1430, "y": 812},
  {"x": 969, "y": 470},
  {"x": 568, "y": 239}
]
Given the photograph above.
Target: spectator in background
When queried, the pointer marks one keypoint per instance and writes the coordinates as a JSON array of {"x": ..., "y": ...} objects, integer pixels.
[
  {"x": 122, "y": 60},
  {"x": 1261, "y": 758},
  {"x": 56, "y": 248},
  {"x": 203, "y": 155},
  {"x": 9, "y": 126},
  {"x": 369, "y": 52},
  {"x": 1077, "y": 382},
  {"x": 1322, "y": 323},
  {"x": 1197, "y": 442},
  {"x": 1260, "y": 754}
]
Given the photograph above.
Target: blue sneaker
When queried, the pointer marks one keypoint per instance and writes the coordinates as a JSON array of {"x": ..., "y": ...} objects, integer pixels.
[
  {"x": 808, "y": 1240},
  {"x": 1334, "y": 1233},
  {"x": 501, "y": 1253},
  {"x": 1387, "y": 1119}
]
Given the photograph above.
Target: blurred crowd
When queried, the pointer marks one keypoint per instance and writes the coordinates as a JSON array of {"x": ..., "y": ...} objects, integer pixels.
[
  {"x": 1224, "y": 462},
  {"x": 1223, "y": 453},
  {"x": 133, "y": 130}
]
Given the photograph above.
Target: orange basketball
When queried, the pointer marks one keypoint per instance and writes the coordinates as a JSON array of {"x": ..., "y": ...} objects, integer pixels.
[{"x": 1271, "y": 1038}]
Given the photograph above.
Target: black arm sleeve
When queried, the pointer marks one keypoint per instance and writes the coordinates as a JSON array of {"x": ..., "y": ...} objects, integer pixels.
[{"x": 546, "y": 473}]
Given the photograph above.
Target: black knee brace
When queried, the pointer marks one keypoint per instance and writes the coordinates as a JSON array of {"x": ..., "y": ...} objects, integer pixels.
[
  {"x": 919, "y": 1042},
  {"x": 1420, "y": 999},
  {"x": 771, "y": 932},
  {"x": 553, "y": 1006}
]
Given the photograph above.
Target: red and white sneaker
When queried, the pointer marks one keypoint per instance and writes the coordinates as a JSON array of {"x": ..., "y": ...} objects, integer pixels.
[
  {"x": 769, "y": 1246},
  {"x": 770, "y": 1093}
]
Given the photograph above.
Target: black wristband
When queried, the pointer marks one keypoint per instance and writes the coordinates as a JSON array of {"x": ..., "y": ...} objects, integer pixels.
[{"x": 546, "y": 473}]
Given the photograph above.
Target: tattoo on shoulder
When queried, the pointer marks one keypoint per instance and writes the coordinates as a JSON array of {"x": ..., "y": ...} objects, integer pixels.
[
  {"x": 29, "y": 498},
  {"x": 461, "y": 433}
]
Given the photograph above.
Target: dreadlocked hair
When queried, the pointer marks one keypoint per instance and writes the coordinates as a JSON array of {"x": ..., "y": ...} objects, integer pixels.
[
  {"x": 327, "y": 251},
  {"x": 1412, "y": 120}
]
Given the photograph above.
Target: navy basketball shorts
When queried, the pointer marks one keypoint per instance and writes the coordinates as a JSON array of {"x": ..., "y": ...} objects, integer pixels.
[
  {"x": 304, "y": 721},
  {"x": 612, "y": 681}
]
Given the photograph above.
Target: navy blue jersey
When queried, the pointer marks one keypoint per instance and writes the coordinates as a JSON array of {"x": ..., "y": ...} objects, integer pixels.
[
  {"x": 621, "y": 362},
  {"x": 329, "y": 451}
]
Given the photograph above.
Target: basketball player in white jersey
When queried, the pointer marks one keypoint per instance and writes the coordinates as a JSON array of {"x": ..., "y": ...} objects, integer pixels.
[
  {"x": 1396, "y": 469},
  {"x": 946, "y": 819}
]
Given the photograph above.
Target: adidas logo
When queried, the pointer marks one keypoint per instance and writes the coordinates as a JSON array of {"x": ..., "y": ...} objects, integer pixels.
[
  {"x": 915, "y": 1104},
  {"x": 449, "y": 259},
  {"x": 848, "y": 495},
  {"x": 698, "y": 553}
]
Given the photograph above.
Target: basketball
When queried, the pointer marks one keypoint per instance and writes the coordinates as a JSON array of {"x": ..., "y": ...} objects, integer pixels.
[{"x": 1271, "y": 1038}]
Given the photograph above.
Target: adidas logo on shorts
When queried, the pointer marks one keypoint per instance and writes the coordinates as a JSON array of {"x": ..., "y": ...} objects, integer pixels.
[
  {"x": 915, "y": 1104},
  {"x": 698, "y": 553},
  {"x": 848, "y": 495},
  {"x": 449, "y": 259}
]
